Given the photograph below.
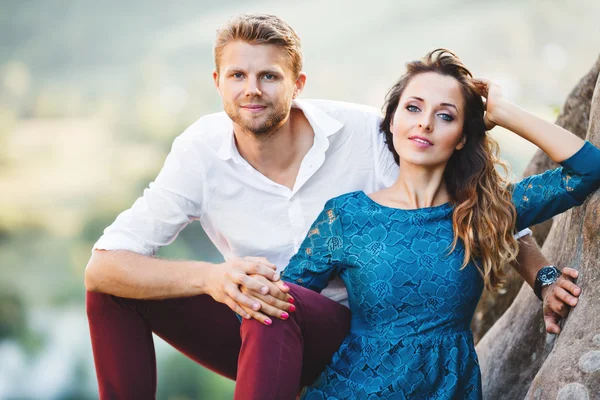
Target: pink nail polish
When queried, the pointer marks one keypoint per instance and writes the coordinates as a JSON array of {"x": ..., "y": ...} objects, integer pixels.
[
  {"x": 284, "y": 285},
  {"x": 292, "y": 308},
  {"x": 268, "y": 322},
  {"x": 291, "y": 300},
  {"x": 285, "y": 315}
]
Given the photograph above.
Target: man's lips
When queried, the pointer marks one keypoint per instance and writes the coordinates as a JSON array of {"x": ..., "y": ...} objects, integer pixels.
[
  {"x": 254, "y": 107},
  {"x": 421, "y": 141}
]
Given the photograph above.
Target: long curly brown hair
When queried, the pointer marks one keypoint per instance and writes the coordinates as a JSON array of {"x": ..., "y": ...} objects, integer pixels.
[{"x": 484, "y": 216}]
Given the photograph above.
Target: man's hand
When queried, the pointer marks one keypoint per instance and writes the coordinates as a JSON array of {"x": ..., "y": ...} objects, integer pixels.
[
  {"x": 559, "y": 298},
  {"x": 223, "y": 282}
]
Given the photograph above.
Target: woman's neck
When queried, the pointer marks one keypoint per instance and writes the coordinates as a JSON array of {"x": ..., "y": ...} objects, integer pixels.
[{"x": 419, "y": 187}]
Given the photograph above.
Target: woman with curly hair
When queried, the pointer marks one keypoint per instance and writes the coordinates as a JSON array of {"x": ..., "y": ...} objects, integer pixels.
[{"x": 415, "y": 257}]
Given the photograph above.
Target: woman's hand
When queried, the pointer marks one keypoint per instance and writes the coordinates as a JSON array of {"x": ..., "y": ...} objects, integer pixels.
[{"x": 492, "y": 93}]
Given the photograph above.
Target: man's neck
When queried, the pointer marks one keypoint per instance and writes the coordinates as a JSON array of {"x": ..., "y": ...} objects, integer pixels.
[{"x": 278, "y": 154}]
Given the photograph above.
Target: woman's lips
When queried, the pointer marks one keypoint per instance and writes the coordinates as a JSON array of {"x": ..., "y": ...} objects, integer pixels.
[{"x": 420, "y": 141}]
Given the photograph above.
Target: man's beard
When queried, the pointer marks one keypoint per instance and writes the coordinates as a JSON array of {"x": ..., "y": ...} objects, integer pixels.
[{"x": 260, "y": 126}]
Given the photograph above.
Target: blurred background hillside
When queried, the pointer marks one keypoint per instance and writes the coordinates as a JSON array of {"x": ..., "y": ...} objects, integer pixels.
[{"x": 92, "y": 95}]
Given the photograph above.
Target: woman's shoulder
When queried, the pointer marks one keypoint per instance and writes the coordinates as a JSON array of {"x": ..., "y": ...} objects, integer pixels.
[{"x": 342, "y": 200}]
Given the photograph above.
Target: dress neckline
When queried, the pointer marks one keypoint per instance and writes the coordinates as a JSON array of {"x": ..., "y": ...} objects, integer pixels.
[{"x": 442, "y": 206}]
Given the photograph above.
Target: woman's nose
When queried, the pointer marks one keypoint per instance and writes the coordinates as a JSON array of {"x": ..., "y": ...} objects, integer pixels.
[{"x": 425, "y": 124}]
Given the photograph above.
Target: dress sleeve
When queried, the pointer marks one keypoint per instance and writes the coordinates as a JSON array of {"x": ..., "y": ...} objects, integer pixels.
[
  {"x": 320, "y": 255},
  {"x": 540, "y": 197}
]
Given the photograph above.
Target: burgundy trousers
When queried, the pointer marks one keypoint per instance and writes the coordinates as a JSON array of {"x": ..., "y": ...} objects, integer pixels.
[{"x": 267, "y": 362}]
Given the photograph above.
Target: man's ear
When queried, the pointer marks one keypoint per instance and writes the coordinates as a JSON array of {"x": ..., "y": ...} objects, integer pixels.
[
  {"x": 216, "y": 80},
  {"x": 299, "y": 84}
]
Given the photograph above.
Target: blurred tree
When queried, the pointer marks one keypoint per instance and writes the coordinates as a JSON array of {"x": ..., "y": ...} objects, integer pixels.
[{"x": 12, "y": 314}]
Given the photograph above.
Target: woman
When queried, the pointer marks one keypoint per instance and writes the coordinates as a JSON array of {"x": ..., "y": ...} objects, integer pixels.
[{"x": 415, "y": 257}]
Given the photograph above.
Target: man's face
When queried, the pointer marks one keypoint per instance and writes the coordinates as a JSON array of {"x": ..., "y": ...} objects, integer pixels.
[{"x": 257, "y": 85}]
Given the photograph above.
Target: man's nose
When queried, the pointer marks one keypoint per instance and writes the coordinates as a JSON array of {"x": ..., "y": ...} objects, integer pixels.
[{"x": 253, "y": 87}]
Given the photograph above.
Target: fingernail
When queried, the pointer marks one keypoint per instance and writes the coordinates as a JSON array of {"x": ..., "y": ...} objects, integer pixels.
[
  {"x": 247, "y": 316},
  {"x": 285, "y": 315},
  {"x": 291, "y": 300},
  {"x": 292, "y": 308},
  {"x": 574, "y": 302},
  {"x": 276, "y": 277},
  {"x": 284, "y": 285},
  {"x": 268, "y": 322},
  {"x": 264, "y": 290},
  {"x": 255, "y": 306}
]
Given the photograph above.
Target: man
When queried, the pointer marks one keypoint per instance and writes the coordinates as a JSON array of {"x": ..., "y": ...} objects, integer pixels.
[{"x": 255, "y": 176}]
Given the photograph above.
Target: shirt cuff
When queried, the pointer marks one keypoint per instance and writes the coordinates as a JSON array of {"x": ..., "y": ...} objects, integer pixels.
[
  {"x": 523, "y": 233},
  {"x": 116, "y": 241}
]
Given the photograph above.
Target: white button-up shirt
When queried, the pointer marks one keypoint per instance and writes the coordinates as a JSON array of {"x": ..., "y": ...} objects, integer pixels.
[{"x": 243, "y": 212}]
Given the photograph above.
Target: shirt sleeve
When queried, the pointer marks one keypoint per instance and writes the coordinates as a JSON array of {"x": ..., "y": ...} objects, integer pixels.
[
  {"x": 540, "y": 197},
  {"x": 321, "y": 252},
  {"x": 167, "y": 206}
]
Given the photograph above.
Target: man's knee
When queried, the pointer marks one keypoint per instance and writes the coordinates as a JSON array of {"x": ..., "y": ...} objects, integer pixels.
[{"x": 97, "y": 304}]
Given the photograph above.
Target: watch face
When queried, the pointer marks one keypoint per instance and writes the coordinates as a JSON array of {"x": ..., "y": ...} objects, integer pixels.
[{"x": 547, "y": 274}]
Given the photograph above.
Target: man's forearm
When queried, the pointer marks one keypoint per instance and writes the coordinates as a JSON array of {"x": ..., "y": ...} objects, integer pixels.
[
  {"x": 529, "y": 260},
  {"x": 127, "y": 274}
]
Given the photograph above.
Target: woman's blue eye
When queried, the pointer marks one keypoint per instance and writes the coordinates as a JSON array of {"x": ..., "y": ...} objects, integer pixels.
[
  {"x": 412, "y": 108},
  {"x": 446, "y": 117}
]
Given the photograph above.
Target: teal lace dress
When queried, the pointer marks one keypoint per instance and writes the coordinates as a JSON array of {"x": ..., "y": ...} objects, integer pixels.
[{"x": 411, "y": 303}]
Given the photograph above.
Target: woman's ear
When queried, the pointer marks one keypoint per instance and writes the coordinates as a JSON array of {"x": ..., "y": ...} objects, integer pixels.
[{"x": 461, "y": 144}]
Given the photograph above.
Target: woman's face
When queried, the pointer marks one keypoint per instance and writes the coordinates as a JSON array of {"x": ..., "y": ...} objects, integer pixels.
[{"x": 428, "y": 123}]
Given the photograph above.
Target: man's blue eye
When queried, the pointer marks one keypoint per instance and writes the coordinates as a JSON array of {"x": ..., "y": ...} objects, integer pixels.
[
  {"x": 269, "y": 76},
  {"x": 237, "y": 75}
]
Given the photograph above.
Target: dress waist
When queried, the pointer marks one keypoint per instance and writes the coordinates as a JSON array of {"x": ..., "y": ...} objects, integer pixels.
[{"x": 414, "y": 332}]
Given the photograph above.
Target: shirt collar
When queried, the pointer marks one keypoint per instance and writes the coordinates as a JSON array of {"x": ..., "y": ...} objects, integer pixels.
[{"x": 323, "y": 125}]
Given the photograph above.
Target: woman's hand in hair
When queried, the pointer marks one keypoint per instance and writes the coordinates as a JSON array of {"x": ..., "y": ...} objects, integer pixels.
[{"x": 492, "y": 94}]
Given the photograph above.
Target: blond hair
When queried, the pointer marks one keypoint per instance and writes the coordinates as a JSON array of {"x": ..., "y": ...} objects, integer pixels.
[{"x": 261, "y": 29}]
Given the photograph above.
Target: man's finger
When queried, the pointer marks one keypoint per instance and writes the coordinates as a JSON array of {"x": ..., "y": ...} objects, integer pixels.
[
  {"x": 251, "y": 283},
  {"x": 551, "y": 324},
  {"x": 245, "y": 301},
  {"x": 570, "y": 272},
  {"x": 564, "y": 296},
  {"x": 557, "y": 304},
  {"x": 569, "y": 286},
  {"x": 254, "y": 268},
  {"x": 261, "y": 260},
  {"x": 236, "y": 308},
  {"x": 275, "y": 289}
]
